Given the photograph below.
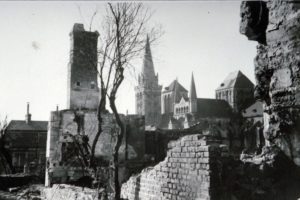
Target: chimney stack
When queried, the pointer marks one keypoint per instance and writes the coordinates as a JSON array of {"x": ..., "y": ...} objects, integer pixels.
[{"x": 28, "y": 115}]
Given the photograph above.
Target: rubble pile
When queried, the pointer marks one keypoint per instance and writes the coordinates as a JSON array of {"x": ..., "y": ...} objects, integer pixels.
[{"x": 63, "y": 191}]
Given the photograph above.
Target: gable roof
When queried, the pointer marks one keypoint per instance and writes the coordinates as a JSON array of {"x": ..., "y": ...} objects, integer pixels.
[
  {"x": 236, "y": 80},
  {"x": 207, "y": 108},
  {"x": 175, "y": 85},
  {"x": 254, "y": 110},
  {"x": 21, "y": 125}
]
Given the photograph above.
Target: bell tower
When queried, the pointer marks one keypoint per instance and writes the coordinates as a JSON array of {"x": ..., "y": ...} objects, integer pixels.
[
  {"x": 83, "y": 91},
  {"x": 148, "y": 91}
]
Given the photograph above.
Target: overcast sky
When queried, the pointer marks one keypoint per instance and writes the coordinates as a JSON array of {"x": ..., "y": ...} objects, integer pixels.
[{"x": 200, "y": 37}]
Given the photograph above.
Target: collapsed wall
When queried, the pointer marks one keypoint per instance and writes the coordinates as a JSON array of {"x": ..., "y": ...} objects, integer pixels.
[
  {"x": 275, "y": 25},
  {"x": 191, "y": 170},
  {"x": 70, "y": 132}
]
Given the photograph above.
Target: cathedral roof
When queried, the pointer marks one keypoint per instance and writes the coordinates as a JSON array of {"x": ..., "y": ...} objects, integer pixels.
[
  {"x": 175, "y": 85},
  {"x": 236, "y": 80},
  {"x": 208, "y": 108}
]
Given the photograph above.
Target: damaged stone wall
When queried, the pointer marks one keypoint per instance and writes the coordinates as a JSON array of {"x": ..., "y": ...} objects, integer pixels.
[
  {"x": 66, "y": 126},
  {"x": 276, "y": 25},
  {"x": 191, "y": 170}
]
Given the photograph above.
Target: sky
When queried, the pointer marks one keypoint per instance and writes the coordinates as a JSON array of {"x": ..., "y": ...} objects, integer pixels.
[{"x": 200, "y": 37}]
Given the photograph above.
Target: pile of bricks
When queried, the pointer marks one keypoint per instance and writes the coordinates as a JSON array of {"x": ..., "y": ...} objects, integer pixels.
[
  {"x": 191, "y": 170},
  {"x": 62, "y": 191}
]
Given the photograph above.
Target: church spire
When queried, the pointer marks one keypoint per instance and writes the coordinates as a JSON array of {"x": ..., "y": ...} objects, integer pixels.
[
  {"x": 193, "y": 94},
  {"x": 148, "y": 68}
]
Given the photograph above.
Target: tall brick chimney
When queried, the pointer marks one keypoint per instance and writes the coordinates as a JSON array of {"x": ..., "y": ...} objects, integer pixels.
[{"x": 28, "y": 115}]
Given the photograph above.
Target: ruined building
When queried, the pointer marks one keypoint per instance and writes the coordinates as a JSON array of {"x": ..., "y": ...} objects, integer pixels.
[
  {"x": 72, "y": 130},
  {"x": 275, "y": 26},
  {"x": 26, "y": 141},
  {"x": 83, "y": 91},
  {"x": 148, "y": 91}
]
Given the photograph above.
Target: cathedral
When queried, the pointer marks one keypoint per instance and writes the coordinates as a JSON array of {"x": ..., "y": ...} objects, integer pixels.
[{"x": 174, "y": 107}]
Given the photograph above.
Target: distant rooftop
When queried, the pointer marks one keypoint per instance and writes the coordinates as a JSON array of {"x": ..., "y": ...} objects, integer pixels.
[
  {"x": 21, "y": 125},
  {"x": 175, "y": 85},
  {"x": 235, "y": 80}
]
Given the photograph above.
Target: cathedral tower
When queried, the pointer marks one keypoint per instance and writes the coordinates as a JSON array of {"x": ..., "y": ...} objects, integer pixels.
[
  {"x": 193, "y": 96},
  {"x": 148, "y": 91},
  {"x": 83, "y": 91}
]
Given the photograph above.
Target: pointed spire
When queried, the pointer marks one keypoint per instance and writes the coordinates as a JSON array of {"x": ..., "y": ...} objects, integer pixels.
[
  {"x": 193, "y": 94},
  {"x": 148, "y": 68}
]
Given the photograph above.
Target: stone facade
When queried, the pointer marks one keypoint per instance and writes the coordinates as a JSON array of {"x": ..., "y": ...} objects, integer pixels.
[
  {"x": 148, "y": 91},
  {"x": 275, "y": 25},
  {"x": 172, "y": 95},
  {"x": 83, "y": 91},
  {"x": 190, "y": 171},
  {"x": 237, "y": 90},
  {"x": 65, "y": 130}
]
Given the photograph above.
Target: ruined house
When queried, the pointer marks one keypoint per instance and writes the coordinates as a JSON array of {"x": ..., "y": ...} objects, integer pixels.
[{"x": 72, "y": 131}]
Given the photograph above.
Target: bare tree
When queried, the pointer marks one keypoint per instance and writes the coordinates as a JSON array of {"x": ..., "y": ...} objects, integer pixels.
[{"x": 122, "y": 40}]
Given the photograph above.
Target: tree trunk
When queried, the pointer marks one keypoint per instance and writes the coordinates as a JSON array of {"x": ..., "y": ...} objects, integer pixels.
[
  {"x": 101, "y": 109},
  {"x": 116, "y": 148}
]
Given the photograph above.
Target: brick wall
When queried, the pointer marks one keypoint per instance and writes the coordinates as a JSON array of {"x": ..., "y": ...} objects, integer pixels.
[{"x": 190, "y": 171}]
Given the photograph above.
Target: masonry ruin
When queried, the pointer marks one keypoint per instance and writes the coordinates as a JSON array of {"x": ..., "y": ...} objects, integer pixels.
[
  {"x": 271, "y": 174},
  {"x": 196, "y": 163},
  {"x": 276, "y": 69}
]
